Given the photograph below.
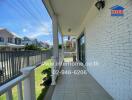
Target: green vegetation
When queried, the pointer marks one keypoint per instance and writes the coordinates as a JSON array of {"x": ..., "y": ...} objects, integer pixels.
[
  {"x": 39, "y": 76},
  {"x": 42, "y": 89},
  {"x": 46, "y": 83},
  {"x": 60, "y": 46},
  {"x": 68, "y": 59},
  {"x": 44, "y": 49},
  {"x": 32, "y": 47}
]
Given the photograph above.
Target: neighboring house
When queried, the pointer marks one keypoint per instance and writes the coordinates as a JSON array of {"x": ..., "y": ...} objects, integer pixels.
[
  {"x": 29, "y": 41},
  {"x": 26, "y": 41},
  {"x": 35, "y": 42},
  {"x": 70, "y": 44},
  {"x": 9, "y": 41},
  {"x": 44, "y": 45}
]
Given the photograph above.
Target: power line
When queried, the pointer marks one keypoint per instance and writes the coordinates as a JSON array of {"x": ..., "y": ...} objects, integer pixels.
[
  {"x": 35, "y": 7},
  {"x": 16, "y": 9},
  {"x": 29, "y": 11},
  {"x": 24, "y": 11}
]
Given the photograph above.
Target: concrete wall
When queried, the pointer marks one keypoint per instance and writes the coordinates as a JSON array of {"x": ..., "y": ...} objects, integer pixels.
[{"x": 109, "y": 44}]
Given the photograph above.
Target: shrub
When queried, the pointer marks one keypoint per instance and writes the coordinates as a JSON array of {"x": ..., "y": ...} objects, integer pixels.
[{"x": 47, "y": 79}]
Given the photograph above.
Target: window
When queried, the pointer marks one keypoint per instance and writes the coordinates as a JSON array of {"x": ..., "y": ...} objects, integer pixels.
[
  {"x": 17, "y": 41},
  {"x": 10, "y": 40},
  {"x": 1, "y": 39},
  {"x": 81, "y": 48}
]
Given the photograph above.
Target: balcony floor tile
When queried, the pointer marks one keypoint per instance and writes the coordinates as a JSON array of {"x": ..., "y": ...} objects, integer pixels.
[{"x": 78, "y": 87}]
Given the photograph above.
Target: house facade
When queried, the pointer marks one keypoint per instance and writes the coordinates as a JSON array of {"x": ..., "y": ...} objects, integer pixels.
[
  {"x": 9, "y": 41},
  {"x": 101, "y": 38},
  {"x": 29, "y": 41},
  {"x": 44, "y": 45}
]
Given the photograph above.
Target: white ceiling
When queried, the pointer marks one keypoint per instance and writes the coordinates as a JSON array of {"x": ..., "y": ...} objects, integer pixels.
[{"x": 71, "y": 14}]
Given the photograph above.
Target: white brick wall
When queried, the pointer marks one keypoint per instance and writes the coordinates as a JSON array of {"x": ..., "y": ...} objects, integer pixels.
[{"x": 109, "y": 42}]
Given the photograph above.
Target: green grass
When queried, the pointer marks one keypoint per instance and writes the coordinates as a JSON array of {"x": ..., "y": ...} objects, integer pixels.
[
  {"x": 38, "y": 80},
  {"x": 68, "y": 59},
  {"x": 39, "y": 76}
]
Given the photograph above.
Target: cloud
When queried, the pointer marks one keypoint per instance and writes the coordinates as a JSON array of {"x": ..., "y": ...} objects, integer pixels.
[
  {"x": 36, "y": 31},
  {"x": 24, "y": 30}
]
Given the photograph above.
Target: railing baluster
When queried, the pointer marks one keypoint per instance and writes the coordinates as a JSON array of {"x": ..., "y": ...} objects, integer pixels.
[
  {"x": 27, "y": 60},
  {"x": 19, "y": 89},
  {"x": 10, "y": 64},
  {"x": 9, "y": 95},
  {"x": 13, "y": 61},
  {"x": 3, "y": 77},
  {"x": 5, "y": 67},
  {"x": 16, "y": 62},
  {"x": 8, "y": 67}
]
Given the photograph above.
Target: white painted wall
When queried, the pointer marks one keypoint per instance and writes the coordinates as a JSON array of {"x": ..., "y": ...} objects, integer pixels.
[
  {"x": 5, "y": 34},
  {"x": 109, "y": 43}
]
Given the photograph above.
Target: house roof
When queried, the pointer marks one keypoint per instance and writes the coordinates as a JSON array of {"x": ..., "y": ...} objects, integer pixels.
[
  {"x": 1, "y": 28},
  {"x": 11, "y": 33},
  {"x": 5, "y": 31},
  {"x": 117, "y": 7},
  {"x": 15, "y": 35}
]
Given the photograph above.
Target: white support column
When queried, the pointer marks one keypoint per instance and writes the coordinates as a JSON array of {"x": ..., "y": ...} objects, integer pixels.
[
  {"x": 19, "y": 89},
  {"x": 29, "y": 83},
  {"x": 9, "y": 95},
  {"x": 55, "y": 49}
]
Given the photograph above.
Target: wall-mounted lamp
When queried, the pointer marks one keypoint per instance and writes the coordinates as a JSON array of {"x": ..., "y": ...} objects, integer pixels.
[{"x": 100, "y": 4}]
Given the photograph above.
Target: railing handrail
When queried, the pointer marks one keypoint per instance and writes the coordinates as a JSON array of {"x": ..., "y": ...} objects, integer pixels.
[
  {"x": 15, "y": 81},
  {"x": 11, "y": 84},
  {"x": 28, "y": 78},
  {"x": 27, "y": 51}
]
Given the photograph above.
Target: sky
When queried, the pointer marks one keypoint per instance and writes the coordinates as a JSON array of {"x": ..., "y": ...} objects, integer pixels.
[{"x": 26, "y": 18}]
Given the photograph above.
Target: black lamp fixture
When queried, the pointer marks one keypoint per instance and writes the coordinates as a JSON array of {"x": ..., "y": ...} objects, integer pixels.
[{"x": 100, "y": 4}]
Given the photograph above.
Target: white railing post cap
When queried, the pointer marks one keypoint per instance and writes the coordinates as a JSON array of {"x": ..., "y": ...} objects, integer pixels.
[{"x": 27, "y": 70}]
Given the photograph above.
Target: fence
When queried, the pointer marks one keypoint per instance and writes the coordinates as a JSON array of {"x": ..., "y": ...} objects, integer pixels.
[{"x": 12, "y": 61}]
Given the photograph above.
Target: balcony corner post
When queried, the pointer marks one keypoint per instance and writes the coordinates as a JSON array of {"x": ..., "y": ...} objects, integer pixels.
[
  {"x": 29, "y": 83},
  {"x": 9, "y": 95}
]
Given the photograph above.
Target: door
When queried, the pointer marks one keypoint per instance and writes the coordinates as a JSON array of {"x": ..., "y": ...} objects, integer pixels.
[{"x": 81, "y": 48}]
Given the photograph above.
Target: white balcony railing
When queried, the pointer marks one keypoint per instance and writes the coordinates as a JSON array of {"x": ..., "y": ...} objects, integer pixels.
[{"x": 28, "y": 78}]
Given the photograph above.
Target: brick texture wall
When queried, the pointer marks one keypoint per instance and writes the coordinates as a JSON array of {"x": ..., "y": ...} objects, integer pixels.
[{"x": 109, "y": 44}]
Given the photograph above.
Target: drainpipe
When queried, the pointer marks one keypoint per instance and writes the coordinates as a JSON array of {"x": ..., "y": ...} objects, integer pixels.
[
  {"x": 62, "y": 47},
  {"x": 76, "y": 50},
  {"x": 55, "y": 49}
]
